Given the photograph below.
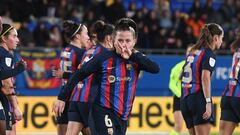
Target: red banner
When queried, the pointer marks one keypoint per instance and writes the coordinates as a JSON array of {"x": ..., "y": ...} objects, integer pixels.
[{"x": 39, "y": 68}]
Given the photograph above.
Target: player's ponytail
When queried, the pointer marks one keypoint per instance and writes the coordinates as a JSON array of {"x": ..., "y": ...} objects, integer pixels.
[
  {"x": 102, "y": 30},
  {"x": 206, "y": 36}
]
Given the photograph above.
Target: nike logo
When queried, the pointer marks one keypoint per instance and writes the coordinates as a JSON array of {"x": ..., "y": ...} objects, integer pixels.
[{"x": 111, "y": 67}]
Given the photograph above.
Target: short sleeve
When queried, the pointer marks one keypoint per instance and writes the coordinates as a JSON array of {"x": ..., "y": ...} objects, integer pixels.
[{"x": 209, "y": 60}]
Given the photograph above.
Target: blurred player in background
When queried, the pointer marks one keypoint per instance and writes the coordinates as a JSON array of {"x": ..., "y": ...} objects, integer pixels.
[
  {"x": 196, "y": 102},
  {"x": 230, "y": 102},
  {"x": 77, "y": 36}
]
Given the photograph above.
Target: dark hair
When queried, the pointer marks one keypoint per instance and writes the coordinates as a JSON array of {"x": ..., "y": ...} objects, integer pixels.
[
  {"x": 126, "y": 24},
  {"x": 206, "y": 36},
  {"x": 103, "y": 30},
  {"x": 6, "y": 28},
  {"x": 70, "y": 29},
  {"x": 0, "y": 26},
  {"x": 235, "y": 44}
]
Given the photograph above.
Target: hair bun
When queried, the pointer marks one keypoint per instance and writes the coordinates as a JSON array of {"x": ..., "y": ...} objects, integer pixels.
[{"x": 127, "y": 22}]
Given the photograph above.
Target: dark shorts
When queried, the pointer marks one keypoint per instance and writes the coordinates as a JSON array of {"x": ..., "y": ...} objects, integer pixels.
[
  {"x": 2, "y": 115},
  {"x": 107, "y": 122},
  {"x": 63, "y": 119},
  {"x": 193, "y": 107},
  {"x": 176, "y": 104},
  {"x": 79, "y": 112},
  {"x": 230, "y": 109}
]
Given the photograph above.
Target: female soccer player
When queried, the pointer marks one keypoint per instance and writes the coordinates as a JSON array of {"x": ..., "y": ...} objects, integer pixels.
[
  {"x": 82, "y": 99},
  {"x": 11, "y": 111},
  {"x": 196, "y": 103},
  {"x": 118, "y": 73},
  {"x": 77, "y": 36},
  {"x": 230, "y": 102}
]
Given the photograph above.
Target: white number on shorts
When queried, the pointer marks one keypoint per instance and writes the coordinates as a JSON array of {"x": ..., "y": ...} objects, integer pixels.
[
  {"x": 108, "y": 121},
  {"x": 187, "y": 69}
]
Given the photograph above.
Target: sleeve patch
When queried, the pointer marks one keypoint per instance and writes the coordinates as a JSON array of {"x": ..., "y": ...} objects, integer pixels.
[
  {"x": 8, "y": 61},
  {"x": 212, "y": 62}
]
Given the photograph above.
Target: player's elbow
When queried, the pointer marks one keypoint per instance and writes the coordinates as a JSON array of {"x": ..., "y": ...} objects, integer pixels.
[{"x": 155, "y": 70}]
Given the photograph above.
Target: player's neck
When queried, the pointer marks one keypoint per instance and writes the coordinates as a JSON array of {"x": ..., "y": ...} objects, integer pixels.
[{"x": 5, "y": 46}]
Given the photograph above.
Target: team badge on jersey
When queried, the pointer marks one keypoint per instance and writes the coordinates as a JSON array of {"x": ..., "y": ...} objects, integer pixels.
[
  {"x": 8, "y": 61},
  {"x": 129, "y": 66},
  {"x": 212, "y": 62},
  {"x": 111, "y": 79}
]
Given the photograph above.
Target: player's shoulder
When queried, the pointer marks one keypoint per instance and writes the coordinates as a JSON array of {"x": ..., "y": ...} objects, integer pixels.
[
  {"x": 209, "y": 52},
  {"x": 4, "y": 53}
]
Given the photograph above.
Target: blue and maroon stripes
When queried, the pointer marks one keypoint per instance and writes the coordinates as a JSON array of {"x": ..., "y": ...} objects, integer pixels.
[
  {"x": 69, "y": 60},
  {"x": 118, "y": 86},
  {"x": 105, "y": 85},
  {"x": 233, "y": 86},
  {"x": 195, "y": 84},
  {"x": 83, "y": 92}
]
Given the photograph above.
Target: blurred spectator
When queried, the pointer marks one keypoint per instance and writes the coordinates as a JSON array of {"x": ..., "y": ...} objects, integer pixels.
[
  {"x": 187, "y": 37},
  {"x": 55, "y": 37},
  {"x": 41, "y": 35},
  {"x": 73, "y": 15},
  {"x": 132, "y": 9},
  {"x": 227, "y": 10},
  {"x": 195, "y": 24},
  {"x": 155, "y": 24},
  {"x": 196, "y": 9},
  {"x": 25, "y": 36},
  {"x": 115, "y": 11},
  {"x": 62, "y": 7},
  {"x": 208, "y": 12},
  {"x": 165, "y": 20},
  {"x": 6, "y": 17},
  {"x": 171, "y": 39}
]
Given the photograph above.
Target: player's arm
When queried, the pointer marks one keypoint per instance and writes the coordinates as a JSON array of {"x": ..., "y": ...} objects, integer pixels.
[
  {"x": 208, "y": 67},
  {"x": 206, "y": 83},
  {"x": 174, "y": 81},
  {"x": 12, "y": 98},
  {"x": 144, "y": 62},
  {"x": 87, "y": 69},
  {"x": 20, "y": 67}
]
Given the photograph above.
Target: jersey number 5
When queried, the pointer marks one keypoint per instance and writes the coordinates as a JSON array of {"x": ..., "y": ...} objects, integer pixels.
[{"x": 188, "y": 70}]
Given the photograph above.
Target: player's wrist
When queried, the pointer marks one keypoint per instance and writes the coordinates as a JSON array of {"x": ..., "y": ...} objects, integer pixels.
[{"x": 208, "y": 99}]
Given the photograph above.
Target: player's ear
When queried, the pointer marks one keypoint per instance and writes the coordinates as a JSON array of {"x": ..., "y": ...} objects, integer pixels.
[{"x": 4, "y": 38}]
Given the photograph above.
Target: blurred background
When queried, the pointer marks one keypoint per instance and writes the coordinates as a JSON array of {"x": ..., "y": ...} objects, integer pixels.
[{"x": 166, "y": 28}]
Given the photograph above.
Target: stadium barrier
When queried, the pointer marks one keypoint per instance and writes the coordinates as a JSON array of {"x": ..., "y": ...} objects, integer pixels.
[{"x": 149, "y": 114}]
